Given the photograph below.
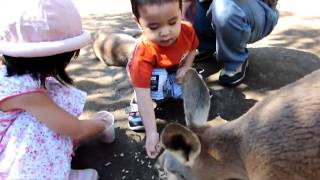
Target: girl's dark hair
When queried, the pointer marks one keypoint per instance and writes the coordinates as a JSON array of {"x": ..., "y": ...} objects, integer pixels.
[
  {"x": 135, "y": 4},
  {"x": 41, "y": 67}
]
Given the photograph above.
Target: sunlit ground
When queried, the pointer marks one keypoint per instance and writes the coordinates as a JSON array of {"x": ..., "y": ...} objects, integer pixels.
[
  {"x": 87, "y": 7},
  {"x": 297, "y": 28},
  {"x": 297, "y": 17}
]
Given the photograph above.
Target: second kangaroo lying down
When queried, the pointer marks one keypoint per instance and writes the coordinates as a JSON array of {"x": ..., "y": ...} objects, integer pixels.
[
  {"x": 277, "y": 139},
  {"x": 113, "y": 48}
]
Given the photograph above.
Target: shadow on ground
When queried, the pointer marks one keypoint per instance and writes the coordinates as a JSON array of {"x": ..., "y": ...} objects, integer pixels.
[{"x": 108, "y": 88}]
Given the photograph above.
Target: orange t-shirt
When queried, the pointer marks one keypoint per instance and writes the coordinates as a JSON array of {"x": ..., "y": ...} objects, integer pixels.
[{"x": 148, "y": 55}]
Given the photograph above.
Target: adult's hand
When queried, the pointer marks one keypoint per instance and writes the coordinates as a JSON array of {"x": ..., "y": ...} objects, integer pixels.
[{"x": 188, "y": 10}]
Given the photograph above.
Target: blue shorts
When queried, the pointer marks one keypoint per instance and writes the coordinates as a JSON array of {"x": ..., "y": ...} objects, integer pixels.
[{"x": 164, "y": 85}]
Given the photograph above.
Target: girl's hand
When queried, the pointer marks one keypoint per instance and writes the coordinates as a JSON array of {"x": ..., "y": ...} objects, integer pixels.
[
  {"x": 107, "y": 136},
  {"x": 152, "y": 145},
  {"x": 180, "y": 73},
  {"x": 103, "y": 116}
]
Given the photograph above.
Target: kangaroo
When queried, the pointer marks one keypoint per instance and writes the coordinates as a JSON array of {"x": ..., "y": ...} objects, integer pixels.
[
  {"x": 113, "y": 47},
  {"x": 277, "y": 139}
]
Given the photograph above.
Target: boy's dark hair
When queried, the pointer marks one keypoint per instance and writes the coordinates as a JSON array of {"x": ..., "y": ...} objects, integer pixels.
[
  {"x": 135, "y": 4},
  {"x": 41, "y": 67}
]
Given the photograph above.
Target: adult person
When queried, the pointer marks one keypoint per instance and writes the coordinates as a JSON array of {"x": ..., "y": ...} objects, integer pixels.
[{"x": 226, "y": 27}]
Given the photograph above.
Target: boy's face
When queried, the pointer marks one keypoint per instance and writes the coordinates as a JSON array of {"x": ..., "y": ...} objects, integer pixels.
[{"x": 161, "y": 24}]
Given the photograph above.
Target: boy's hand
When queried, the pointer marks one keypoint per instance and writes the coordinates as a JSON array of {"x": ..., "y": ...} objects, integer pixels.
[
  {"x": 184, "y": 65},
  {"x": 152, "y": 145},
  {"x": 180, "y": 73}
]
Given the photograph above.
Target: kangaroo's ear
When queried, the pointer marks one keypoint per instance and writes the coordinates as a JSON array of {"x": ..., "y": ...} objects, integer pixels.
[
  {"x": 181, "y": 142},
  {"x": 196, "y": 99}
]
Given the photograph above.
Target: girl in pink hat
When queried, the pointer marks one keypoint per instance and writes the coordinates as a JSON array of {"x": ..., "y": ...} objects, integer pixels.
[{"x": 38, "y": 105}]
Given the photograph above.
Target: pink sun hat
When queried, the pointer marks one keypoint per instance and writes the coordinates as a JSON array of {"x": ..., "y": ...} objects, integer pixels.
[{"x": 37, "y": 28}]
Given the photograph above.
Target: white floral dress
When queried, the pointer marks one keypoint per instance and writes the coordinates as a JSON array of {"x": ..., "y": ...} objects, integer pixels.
[{"x": 28, "y": 149}]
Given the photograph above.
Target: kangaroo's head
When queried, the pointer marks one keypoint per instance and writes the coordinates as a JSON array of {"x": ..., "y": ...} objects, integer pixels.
[
  {"x": 182, "y": 147},
  {"x": 199, "y": 151}
]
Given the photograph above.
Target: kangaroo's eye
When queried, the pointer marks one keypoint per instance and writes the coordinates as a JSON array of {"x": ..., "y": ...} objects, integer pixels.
[
  {"x": 182, "y": 177},
  {"x": 178, "y": 175}
]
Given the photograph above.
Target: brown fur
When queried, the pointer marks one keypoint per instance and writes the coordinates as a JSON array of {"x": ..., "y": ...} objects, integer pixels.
[
  {"x": 277, "y": 139},
  {"x": 113, "y": 48}
]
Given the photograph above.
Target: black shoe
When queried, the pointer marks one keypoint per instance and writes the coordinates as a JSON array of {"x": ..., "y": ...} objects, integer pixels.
[
  {"x": 135, "y": 123},
  {"x": 134, "y": 118},
  {"x": 233, "y": 78}
]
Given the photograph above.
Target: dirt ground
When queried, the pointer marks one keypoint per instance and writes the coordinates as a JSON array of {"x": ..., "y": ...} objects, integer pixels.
[{"x": 289, "y": 53}]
